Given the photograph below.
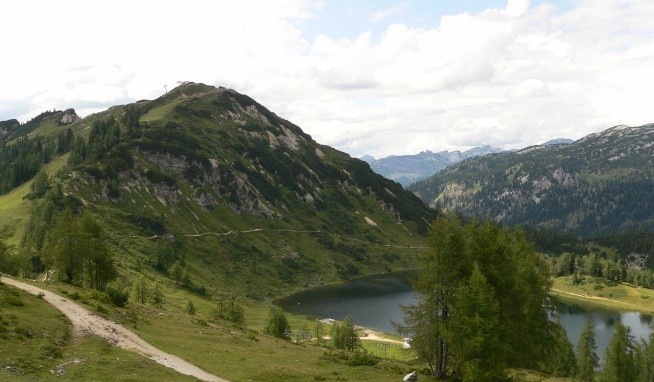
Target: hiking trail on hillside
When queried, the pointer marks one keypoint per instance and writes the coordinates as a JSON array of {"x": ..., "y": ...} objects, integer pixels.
[{"x": 86, "y": 322}]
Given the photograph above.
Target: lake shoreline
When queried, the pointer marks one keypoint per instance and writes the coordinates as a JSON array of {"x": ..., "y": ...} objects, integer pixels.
[{"x": 618, "y": 298}]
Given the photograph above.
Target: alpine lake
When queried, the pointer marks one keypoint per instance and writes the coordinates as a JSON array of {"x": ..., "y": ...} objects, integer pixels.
[{"x": 375, "y": 302}]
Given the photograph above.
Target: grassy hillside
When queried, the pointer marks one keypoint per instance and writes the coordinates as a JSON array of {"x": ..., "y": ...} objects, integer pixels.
[
  {"x": 37, "y": 344},
  {"x": 14, "y": 208},
  {"x": 243, "y": 200},
  {"x": 238, "y": 353},
  {"x": 596, "y": 292},
  {"x": 209, "y": 195}
]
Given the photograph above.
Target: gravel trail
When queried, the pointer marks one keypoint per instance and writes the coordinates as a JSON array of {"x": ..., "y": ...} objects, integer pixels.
[{"x": 87, "y": 322}]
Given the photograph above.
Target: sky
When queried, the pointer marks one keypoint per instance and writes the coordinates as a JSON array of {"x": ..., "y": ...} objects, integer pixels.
[{"x": 370, "y": 77}]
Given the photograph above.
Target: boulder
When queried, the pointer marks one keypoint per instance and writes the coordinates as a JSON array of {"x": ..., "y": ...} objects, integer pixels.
[{"x": 411, "y": 377}]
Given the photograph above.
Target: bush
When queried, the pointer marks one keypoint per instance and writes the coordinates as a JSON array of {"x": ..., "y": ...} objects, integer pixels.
[
  {"x": 118, "y": 297},
  {"x": 190, "y": 308},
  {"x": 362, "y": 359},
  {"x": 277, "y": 325},
  {"x": 229, "y": 309}
]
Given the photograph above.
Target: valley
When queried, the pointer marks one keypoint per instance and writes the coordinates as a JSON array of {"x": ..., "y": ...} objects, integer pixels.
[{"x": 186, "y": 218}]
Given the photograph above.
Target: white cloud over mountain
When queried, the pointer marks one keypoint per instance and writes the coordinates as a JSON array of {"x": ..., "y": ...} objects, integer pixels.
[{"x": 506, "y": 77}]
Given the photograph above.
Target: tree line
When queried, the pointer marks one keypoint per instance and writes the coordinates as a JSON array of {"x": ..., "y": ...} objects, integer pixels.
[
  {"x": 601, "y": 263},
  {"x": 625, "y": 359}
]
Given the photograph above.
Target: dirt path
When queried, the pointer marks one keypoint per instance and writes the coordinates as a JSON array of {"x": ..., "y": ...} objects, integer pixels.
[
  {"x": 86, "y": 322},
  {"x": 372, "y": 335},
  {"x": 594, "y": 297}
]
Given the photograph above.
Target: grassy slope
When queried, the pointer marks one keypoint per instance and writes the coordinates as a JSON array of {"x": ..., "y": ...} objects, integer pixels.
[
  {"x": 14, "y": 209},
  {"x": 596, "y": 293},
  {"x": 219, "y": 347},
  {"x": 159, "y": 112},
  {"x": 35, "y": 339}
]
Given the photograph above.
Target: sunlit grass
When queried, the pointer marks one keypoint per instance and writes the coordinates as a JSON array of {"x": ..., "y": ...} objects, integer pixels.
[
  {"x": 160, "y": 112},
  {"x": 37, "y": 344},
  {"x": 14, "y": 208},
  {"x": 596, "y": 292}
]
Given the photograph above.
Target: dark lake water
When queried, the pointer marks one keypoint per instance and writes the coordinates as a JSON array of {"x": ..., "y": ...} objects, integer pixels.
[{"x": 375, "y": 301}]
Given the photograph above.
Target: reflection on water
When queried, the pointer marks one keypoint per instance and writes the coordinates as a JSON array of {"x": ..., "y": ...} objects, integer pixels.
[
  {"x": 371, "y": 301},
  {"x": 574, "y": 317},
  {"x": 375, "y": 301}
]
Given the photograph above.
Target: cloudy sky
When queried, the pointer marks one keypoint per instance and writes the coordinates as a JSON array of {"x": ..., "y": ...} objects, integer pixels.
[{"x": 375, "y": 77}]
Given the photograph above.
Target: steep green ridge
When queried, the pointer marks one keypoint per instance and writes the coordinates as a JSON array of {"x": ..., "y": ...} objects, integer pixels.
[
  {"x": 245, "y": 201},
  {"x": 598, "y": 184}
]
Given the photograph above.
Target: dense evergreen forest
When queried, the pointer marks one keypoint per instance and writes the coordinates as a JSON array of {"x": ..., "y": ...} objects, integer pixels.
[
  {"x": 619, "y": 257},
  {"x": 22, "y": 157}
]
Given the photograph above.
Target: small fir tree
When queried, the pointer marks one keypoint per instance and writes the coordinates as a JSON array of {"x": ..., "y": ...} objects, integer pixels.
[
  {"x": 619, "y": 358},
  {"x": 587, "y": 359},
  {"x": 277, "y": 325},
  {"x": 157, "y": 295},
  {"x": 141, "y": 290},
  {"x": 344, "y": 336}
]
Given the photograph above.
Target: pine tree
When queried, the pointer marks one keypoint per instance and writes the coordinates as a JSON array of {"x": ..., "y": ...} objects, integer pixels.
[
  {"x": 587, "y": 359},
  {"x": 63, "y": 248},
  {"x": 474, "y": 331},
  {"x": 157, "y": 295},
  {"x": 99, "y": 263},
  {"x": 519, "y": 279},
  {"x": 141, "y": 290},
  {"x": 344, "y": 336},
  {"x": 561, "y": 361},
  {"x": 619, "y": 358},
  {"x": 647, "y": 359}
]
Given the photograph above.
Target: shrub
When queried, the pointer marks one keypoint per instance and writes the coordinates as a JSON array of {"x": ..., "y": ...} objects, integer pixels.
[
  {"x": 229, "y": 309},
  {"x": 118, "y": 297},
  {"x": 362, "y": 359},
  {"x": 277, "y": 325},
  {"x": 190, "y": 308}
]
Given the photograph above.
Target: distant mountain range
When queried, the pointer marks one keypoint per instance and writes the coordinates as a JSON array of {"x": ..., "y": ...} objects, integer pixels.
[
  {"x": 406, "y": 169},
  {"x": 601, "y": 183}
]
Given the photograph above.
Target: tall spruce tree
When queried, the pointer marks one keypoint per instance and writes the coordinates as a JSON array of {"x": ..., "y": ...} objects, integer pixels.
[
  {"x": 647, "y": 362},
  {"x": 561, "y": 360},
  {"x": 474, "y": 335},
  {"x": 510, "y": 265},
  {"x": 63, "y": 248},
  {"x": 619, "y": 360},
  {"x": 99, "y": 263},
  {"x": 587, "y": 359}
]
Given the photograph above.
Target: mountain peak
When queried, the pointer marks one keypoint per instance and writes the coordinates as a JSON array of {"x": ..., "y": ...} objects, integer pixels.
[
  {"x": 406, "y": 169},
  {"x": 601, "y": 183}
]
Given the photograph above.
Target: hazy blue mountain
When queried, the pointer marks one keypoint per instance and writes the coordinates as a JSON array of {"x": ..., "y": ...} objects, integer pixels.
[{"x": 406, "y": 169}]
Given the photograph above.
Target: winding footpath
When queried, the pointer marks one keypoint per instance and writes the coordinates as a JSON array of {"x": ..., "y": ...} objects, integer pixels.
[
  {"x": 87, "y": 322},
  {"x": 594, "y": 297}
]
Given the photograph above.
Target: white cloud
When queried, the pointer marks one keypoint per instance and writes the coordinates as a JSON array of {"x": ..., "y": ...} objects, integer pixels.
[{"x": 507, "y": 77}]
